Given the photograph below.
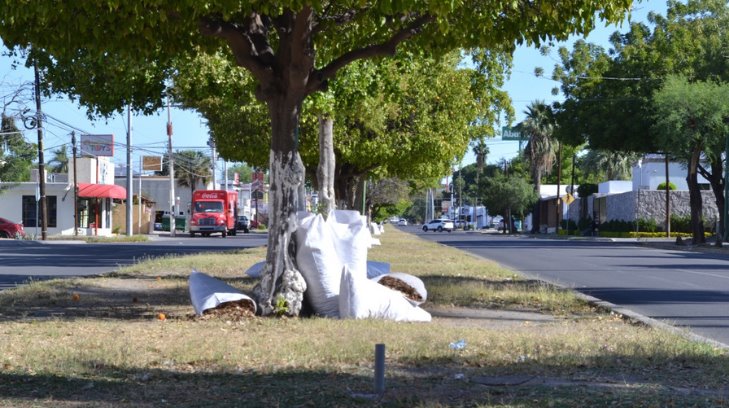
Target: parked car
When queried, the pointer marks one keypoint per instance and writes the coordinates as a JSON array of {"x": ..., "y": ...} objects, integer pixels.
[
  {"x": 438, "y": 225},
  {"x": 402, "y": 222},
  {"x": 9, "y": 229},
  {"x": 243, "y": 223}
]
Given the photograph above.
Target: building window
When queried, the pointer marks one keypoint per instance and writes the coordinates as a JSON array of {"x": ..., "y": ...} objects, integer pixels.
[{"x": 29, "y": 211}]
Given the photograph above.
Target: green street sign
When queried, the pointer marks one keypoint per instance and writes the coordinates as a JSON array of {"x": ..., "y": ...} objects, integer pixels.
[{"x": 509, "y": 133}]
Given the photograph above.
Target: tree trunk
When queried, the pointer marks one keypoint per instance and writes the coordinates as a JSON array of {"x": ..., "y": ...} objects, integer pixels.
[
  {"x": 697, "y": 224},
  {"x": 716, "y": 180},
  {"x": 325, "y": 171},
  {"x": 537, "y": 207},
  {"x": 281, "y": 290}
]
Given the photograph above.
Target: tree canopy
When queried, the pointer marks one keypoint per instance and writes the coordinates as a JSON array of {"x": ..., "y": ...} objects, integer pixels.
[{"x": 291, "y": 48}]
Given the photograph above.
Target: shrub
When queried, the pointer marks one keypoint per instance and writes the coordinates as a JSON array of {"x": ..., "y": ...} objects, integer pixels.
[
  {"x": 662, "y": 186},
  {"x": 680, "y": 223}
]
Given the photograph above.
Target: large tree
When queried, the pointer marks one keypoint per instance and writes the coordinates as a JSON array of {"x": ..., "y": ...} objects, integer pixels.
[
  {"x": 540, "y": 151},
  {"x": 692, "y": 122},
  {"x": 291, "y": 48},
  {"x": 610, "y": 96}
]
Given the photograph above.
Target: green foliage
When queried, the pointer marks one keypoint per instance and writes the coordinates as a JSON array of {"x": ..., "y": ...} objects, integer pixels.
[
  {"x": 587, "y": 189},
  {"x": 662, "y": 186},
  {"x": 680, "y": 223},
  {"x": 281, "y": 306},
  {"x": 245, "y": 172},
  {"x": 59, "y": 161},
  {"x": 191, "y": 167},
  {"x": 502, "y": 193},
  {"x": 18, "y": 160},
  {"x": 690, "y": 115},
  {"x": 646, "y": 225}
]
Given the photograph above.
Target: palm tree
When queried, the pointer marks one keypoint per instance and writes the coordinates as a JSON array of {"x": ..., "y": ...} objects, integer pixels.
[
  {"x": 614, "y": 165},
  {"x": 59, "y": 162},
  {"x": 540, "y": 149},
  {"x": 481, "y": 150},
  {"x": 191, "y": 167}
]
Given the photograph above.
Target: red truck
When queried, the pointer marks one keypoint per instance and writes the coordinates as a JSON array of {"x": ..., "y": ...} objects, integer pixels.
[{"x": 213, "y": 211}]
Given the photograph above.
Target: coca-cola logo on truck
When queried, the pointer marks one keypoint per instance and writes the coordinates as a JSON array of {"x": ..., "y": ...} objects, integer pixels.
[{"x": 209, "y": 195}]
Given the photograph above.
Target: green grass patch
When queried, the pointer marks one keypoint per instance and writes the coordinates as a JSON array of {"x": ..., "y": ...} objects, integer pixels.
[{"x": 100, "y": 342}]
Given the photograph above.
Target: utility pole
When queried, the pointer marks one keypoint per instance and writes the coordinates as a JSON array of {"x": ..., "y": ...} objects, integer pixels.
[
  {"x": 668, "y": 201},
  {"x": 225, "y": 173},
  {"x": 130, "y": 193},
  {"x": 559, "y": 180},
  {"x": 75, "y": 186},
  {"x": 172, "y": 170},
  {"x": 211, "y": 143},
  {"x": 41, "y": 160}
]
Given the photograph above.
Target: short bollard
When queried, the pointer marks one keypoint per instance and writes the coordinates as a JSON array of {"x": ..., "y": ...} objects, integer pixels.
[{"x": 379, "y": 369}]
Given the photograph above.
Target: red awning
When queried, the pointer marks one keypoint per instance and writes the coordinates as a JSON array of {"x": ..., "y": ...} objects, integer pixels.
[{"x": 101, "y": 191}]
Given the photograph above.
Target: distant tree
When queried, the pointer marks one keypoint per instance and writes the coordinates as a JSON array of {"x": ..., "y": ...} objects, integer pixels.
[
  {"x": 192, "y": 167},
  {"x": 507, "y": 195},
  {"x": 612, "y": 165},
  {"x": 387, "y": 197},
  {"x": 245, "y": 172},
  {"x": 16, "y": 155},
  {"x": 481, "y": 151},
  {"x": 59, "y": 162},
  {"x": 540, "y": 151}
]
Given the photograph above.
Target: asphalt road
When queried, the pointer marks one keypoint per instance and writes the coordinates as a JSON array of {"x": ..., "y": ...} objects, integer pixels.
[
  {"x": 681, "y": 288},
  {"x": 21, "y": 260}
]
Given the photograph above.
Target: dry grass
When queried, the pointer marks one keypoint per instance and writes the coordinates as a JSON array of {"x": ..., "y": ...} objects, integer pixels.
[{"x": 100, "y": 342}]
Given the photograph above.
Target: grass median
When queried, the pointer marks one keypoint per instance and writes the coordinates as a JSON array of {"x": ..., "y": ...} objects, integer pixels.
[{"x": 131, "y": 339}]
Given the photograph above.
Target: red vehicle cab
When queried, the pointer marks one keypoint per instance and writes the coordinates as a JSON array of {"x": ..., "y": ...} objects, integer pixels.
[
  {"x": 213, "y": 211},
  {"x": 9, "y": 229}
]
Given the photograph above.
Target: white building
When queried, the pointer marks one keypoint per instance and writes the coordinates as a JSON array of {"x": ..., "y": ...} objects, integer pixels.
[{"x": 94, "y": 199}]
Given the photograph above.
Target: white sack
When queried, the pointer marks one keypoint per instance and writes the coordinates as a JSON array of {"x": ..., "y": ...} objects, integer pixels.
[
  {"x": 376, "y": 268},
  {"x": 207, "y": 292},
  {"x": 412, "y": 281},
  {"x": 318, "y": 262},
  {"x": 361, "y": 298},
  {"x": 351, "y": 238},
  {"x": 375, "y": 228}
]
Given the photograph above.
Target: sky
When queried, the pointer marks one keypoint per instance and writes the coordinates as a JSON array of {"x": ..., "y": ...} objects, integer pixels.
[{"x": 149, "y": 135}]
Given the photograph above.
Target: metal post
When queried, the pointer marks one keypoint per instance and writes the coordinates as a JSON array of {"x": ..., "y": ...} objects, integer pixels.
[{"x": 379, "y": 369}]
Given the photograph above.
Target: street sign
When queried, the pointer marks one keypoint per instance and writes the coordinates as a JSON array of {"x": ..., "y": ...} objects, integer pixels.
[
  {"x": 97, "y": 145},
  {"x": 152, "y": 163},
  {"x": 509, "y": 133}
]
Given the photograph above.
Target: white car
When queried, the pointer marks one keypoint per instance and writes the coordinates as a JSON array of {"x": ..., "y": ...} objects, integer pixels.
[
  {"x": 438, "y": 225},
  {"x": 402, "y": 222}
]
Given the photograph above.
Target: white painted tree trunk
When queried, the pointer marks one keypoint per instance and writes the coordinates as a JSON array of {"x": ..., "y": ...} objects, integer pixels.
[
  {"x": 325, "y": 170},
  {"x": 282, "y": 287}
]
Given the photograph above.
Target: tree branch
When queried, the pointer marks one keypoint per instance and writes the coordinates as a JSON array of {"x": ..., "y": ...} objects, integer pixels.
[
  {"x": 388, "y": 47},
  {"x": 249, "y": 47}
]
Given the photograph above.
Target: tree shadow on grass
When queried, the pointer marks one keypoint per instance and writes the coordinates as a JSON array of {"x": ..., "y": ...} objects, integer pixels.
[{"x": 423, "y": 383}]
